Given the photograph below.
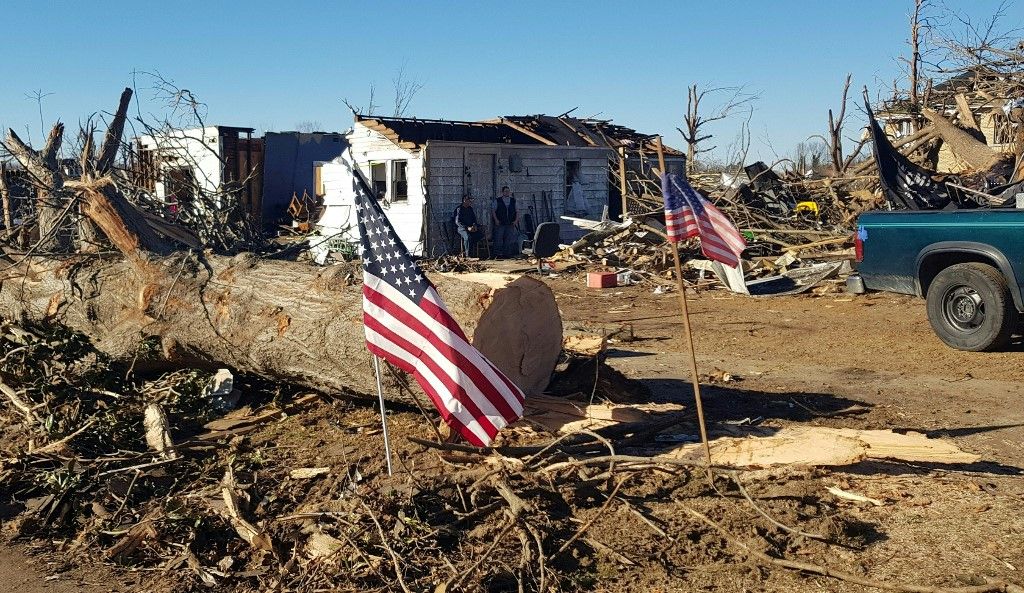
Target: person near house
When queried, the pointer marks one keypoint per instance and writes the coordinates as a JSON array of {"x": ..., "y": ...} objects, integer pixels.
[
  {"x": 506, "y": 220},
  {"x": 466, "y": 225}
]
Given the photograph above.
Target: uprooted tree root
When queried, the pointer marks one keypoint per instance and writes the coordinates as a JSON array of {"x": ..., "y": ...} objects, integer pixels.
[{"x": 235, "y": 509}]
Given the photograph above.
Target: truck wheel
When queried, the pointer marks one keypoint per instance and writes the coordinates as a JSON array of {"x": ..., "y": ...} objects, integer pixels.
[{"x": 970, "y": 308}]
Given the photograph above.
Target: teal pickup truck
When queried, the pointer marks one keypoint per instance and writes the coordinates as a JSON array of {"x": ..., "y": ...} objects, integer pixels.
[{"x": 968, "y": 264}]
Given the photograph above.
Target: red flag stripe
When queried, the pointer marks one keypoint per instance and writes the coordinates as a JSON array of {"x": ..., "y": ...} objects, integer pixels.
[
  {"x": 459, "y": 420},
  {"x": 433, "y": 300},
  {"x": 457, "y": 354},
  {"x": 459, "y": 403}
]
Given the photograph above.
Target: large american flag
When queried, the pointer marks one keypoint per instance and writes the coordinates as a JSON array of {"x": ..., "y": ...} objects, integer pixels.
[
  {"x": 688, "y": 215},
  {"x": 409, "y": 326}
]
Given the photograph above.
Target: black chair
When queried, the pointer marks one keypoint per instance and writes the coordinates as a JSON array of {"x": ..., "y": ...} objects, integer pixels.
[{"x": 545, "y": 242}]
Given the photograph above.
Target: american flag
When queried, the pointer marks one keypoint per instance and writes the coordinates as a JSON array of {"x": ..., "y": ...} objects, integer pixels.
[
  {"x": 409, "y": 326},
  {"x": 688, "y": 215}
]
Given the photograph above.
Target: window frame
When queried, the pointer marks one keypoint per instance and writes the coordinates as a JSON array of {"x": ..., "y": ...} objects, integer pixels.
[{"x": 393, "y": 185}]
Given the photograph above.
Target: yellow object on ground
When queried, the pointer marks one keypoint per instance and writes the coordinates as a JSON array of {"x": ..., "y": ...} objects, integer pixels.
[{"x": 808, "y": 207}]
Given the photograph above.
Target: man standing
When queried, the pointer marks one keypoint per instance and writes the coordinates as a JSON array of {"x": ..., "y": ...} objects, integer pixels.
[
  {"x": 465, "y": 224},
  {"x": 505, "y": 218}
]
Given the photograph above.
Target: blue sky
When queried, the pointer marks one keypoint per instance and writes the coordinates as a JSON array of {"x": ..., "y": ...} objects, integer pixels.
[{"x": 271, "y": 65}]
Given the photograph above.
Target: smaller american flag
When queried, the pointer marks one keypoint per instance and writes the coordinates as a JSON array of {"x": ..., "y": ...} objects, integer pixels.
[{"x": 688, "y": 215}]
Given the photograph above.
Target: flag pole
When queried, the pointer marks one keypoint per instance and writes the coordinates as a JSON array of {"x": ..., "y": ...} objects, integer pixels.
[
  {"x": 383, "y": 417},
  {"x": 689, "y": 330}
]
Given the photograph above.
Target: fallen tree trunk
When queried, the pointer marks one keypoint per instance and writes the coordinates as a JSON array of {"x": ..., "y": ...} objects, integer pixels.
[
  {"x": 282, "y": 320},
  {"x": 965, "y": 147}
]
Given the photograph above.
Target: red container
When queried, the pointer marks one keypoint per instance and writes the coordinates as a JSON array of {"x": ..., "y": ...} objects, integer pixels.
[{"x": 601, "y": 279}]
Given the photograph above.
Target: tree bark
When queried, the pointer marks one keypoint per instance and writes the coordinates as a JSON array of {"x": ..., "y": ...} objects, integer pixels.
[
  {"x": 49, "y": 182},
  {"x": 282, "y": 320},
  {"x": 5, "y": 197},
  {"x": 969, "y": 149}
]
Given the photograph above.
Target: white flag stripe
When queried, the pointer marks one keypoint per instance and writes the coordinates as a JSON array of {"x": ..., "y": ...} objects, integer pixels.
[
  {"x": 454, "y": 407},
  {"x": 719, "y": 251},
  {"x": 446, "y": 365},
  {"x": 448, "y": 336},
  {"x": 490, "y": 372}
]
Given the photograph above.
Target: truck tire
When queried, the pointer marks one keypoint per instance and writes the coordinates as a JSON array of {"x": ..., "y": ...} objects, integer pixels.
[{"x": 970, "y": 307}]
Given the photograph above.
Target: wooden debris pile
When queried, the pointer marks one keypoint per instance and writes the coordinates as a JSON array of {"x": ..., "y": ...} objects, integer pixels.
[{"x": 795, "y": 220}]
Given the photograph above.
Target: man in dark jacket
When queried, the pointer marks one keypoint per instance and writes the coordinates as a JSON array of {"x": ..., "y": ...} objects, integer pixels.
[
  {"x": 466, "y": 225},
  {"x": 506, "y": 221}
]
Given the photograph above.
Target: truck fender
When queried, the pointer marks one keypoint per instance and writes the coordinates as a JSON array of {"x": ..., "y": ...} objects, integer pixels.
[{"x": 979, "y": 249}]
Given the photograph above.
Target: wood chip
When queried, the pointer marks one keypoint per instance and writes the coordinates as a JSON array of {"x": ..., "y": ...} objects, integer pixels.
[
  {"x": 854, "y": 496},
  {"x": 304, "y": 473},
  {"x": 158, "y": 431}
]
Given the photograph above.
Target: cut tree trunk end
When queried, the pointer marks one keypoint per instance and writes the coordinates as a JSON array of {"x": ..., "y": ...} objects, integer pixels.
[{"x": 282, "y": 320}]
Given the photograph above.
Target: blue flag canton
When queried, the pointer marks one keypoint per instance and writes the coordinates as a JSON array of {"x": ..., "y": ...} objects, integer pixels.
[
  {"x": 679, "y": 194},
  {"x": 673, "y": 198},
  {"x": 383, "y": 253}
]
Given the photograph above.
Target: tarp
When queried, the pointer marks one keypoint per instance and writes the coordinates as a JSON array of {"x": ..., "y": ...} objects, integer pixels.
[{"x": 906, "y": 185}]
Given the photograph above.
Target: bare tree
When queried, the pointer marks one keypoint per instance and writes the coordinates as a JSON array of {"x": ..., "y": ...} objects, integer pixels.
[
  {"x": 972, "y": 42},
  {"x": 371, "y": 107},
  {"x": 38, "y": 95},
  {"x": 5, "y": 197},
  {"x": 914, "y": 61},
  {"x": 308, "y": 127},
  {"x": 810, "y": 155},
  {"x": 405, "y": 91},
  {"x": 834, "y": 143},
  {"x": 736, "y": 152},
  {"x": 923, "y": 24},
  {"x": 695, "y": 121}
]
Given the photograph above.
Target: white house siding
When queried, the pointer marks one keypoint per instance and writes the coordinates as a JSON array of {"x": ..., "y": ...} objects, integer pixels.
[
  {"x": 196, "y": 148},
  {"x": 368, "y": 146}
]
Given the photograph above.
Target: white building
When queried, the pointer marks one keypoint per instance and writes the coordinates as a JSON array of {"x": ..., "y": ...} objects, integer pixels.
[
  {"x": 176, "y": 163},
  {"x": 422, "y": 168}
]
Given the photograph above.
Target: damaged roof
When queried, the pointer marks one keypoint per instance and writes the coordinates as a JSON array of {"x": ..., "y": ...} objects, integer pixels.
[
  {"x": 412, "y": 133},
  {"x": 570, "y": 131}
]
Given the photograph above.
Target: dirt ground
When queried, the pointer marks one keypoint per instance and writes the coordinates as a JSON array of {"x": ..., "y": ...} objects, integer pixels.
[{"x": 800, "y": 360}]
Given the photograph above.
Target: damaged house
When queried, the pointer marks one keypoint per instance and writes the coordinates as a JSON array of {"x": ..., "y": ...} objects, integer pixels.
[
  {"x": 987, "y": 103},
  {"x": 421, "y": 168},
  {"x": 177, "y": 164}
]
